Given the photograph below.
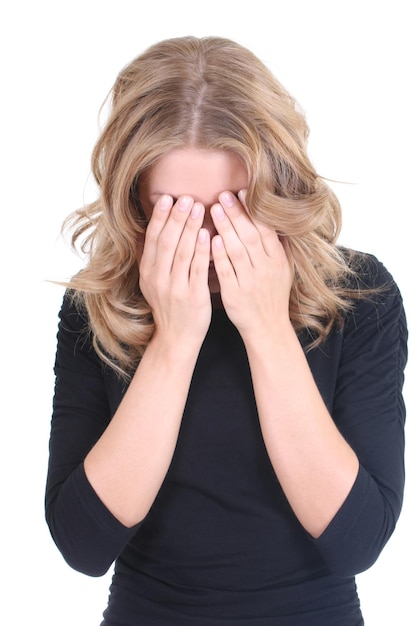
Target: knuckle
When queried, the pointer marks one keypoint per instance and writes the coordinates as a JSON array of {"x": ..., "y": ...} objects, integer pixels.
[
  {"x": 251, "y": 238},
  {"x": 182, "y": 256},
  {"x": 238, "y": 252},
  {"x": 165, "y": 242}
]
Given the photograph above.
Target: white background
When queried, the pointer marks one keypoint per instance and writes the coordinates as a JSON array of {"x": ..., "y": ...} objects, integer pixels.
[{"x": 351, "y": 64}]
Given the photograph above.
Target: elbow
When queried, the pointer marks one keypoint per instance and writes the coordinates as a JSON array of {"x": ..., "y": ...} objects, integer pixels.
[
  {"x": 351, "y": 565},
  {"x": 355, "y": 538},
  {"x": 88, "y": 556},
  {"x": 87, "y": 535},
  {"x": 358, "y": 550},
  {"x": 87, "y": 567}
]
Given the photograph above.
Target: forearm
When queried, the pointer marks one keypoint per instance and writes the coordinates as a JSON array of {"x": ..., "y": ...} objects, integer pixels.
[
  {"x": 314, "y": 464},
  {"x": 128, "y": 464}
]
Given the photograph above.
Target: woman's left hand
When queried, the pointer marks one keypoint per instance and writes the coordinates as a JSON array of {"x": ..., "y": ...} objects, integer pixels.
[{"x": 252, "y": 266}]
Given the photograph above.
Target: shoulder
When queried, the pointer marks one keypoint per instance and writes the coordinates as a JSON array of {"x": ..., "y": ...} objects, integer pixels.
[
  {"x": 368, "y": 272},
  {"x": 377, "y": 315},
  {"x": 372, "y": 288},
  {"x": 73, "y": 314},
  {"x": 74, "y": 337}
]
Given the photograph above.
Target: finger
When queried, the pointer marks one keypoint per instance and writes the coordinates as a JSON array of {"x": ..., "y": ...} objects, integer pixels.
[
  {"x": 201, "y": 260},
  {"x": 171, "y": 232},
  {"x": 166, "y": 234},
  {"x": 235, "y": 209},
  {"x": 156, "y": 224},
  {"x": 238, "y": 232},
  {"x": 269, "y": 236},
  {"x": 270, "y": 241},
  {"x": 140, "y": 242},
  {"x": 223, "y": 265},
  {"x": 187, "y": 243}
]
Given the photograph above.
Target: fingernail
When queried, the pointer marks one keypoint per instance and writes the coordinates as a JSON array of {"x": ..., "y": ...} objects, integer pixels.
[
  {"x": 218, "y": 211},
  {"x": 196, "y": 210},
  {"x": 242, "y": 196},
  {"x": 184, "y": 203},
  {"x": 165, "y": 202},
  {"x": 227, "y": 198},
  {"x": 218, "y": 242}
]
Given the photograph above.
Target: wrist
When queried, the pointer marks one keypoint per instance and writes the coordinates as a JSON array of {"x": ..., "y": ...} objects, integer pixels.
[
  {"x": 262, "y": 337},
  {"x": 174, "y": 348}
]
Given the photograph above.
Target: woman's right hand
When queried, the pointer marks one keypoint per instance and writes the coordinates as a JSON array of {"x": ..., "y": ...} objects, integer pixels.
[
  {"x": 127, "y": 465},
  {"x": 173, "y": 269}
]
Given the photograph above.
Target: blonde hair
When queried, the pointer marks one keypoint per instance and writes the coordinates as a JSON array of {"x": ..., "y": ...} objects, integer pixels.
[{"x": 209, "y": 93}]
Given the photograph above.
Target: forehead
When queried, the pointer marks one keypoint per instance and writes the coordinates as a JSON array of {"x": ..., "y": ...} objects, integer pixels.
[{"x": 203, "y": 174}]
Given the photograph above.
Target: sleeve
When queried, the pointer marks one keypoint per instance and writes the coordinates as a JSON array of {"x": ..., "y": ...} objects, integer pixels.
[
  {"x": 84, "y": 530},
  {"x": 369, "y": 411}
]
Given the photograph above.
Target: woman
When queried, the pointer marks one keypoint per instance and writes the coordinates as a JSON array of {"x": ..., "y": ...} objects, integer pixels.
[{"x": 228, "y": 422}]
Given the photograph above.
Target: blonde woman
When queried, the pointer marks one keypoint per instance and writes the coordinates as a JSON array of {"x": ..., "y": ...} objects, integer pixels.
[{"x": 228, "y": 417}]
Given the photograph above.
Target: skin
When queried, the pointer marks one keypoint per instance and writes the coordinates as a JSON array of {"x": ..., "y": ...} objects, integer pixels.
[{"x": 201, "y": 245}]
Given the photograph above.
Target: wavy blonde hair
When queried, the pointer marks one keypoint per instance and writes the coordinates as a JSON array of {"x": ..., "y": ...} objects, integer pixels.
[{"x": 209, "y": 93}]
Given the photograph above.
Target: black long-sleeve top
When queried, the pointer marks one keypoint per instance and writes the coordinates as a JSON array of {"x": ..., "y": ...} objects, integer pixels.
[{"x": 221, "y": 545}]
